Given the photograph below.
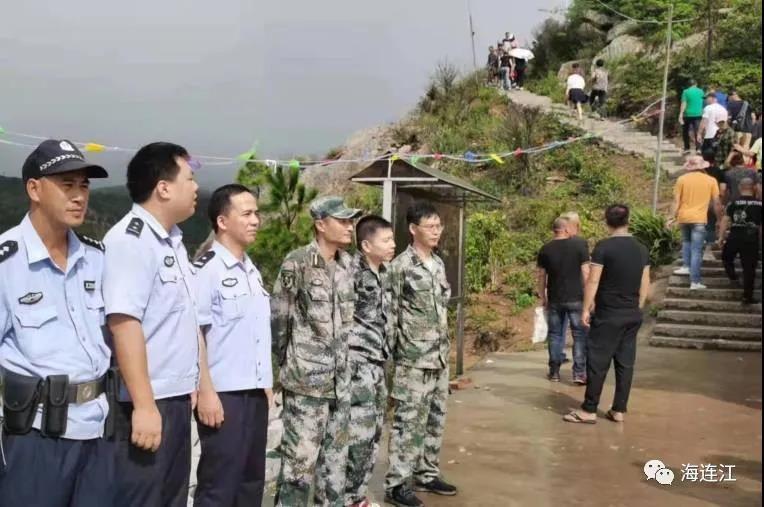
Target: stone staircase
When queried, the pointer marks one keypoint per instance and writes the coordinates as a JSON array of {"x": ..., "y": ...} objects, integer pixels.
[
  {"x": 622, "y": 136},
  {"x": 713, "y": 318}
]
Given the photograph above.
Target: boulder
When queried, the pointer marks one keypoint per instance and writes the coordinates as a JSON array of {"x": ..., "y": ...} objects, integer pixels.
[
  {"x": 588, "y": 31},
  {"x": 692, "y": 42},
  {"x": 566, "y": 69},
  {"x": 624, "y": 28},
  {"x": 620, "y": 47},
  {"x": 601, "y": 21}
]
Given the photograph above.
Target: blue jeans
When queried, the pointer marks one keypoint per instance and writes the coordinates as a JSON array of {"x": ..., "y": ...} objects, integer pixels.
[
  {"x": 556, "y": 316},
  {"x": 693, "y": 243},
  {"x": 504, "y": 72}
]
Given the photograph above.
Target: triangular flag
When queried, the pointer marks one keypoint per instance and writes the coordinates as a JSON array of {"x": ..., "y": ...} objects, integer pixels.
[
  {"x": 294, "y": 164},
  {"x": 2, "y": 130},
  {"x": 247, "y": 155},
  {"x": 518, "y": 152},
  {"x": 469, "y": 156},
  {"x": 438, "y": 156},
  {"x": 94, "y": 147},
  {"x": 497, "y": 158},
  {"x": 395, "y": 157},
  {"x": 414, "y": 159}
]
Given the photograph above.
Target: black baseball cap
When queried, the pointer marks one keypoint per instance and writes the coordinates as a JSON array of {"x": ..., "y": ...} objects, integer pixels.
[{"x": 55, "y": 157}]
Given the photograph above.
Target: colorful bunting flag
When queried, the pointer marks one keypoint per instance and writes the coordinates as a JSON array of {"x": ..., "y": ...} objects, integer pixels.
[
  {"x": 94, "y": 147},
  {"x": 497, "y": 158}
]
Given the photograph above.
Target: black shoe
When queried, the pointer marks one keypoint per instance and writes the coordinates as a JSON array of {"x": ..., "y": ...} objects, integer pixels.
[
  {"x": 402, "y": 496},
  {"x": 437, "y": 486},
  {"x": 554, "y": 374}
]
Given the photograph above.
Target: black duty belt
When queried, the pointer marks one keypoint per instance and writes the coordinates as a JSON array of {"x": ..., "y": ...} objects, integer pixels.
[
  {"x": 76, "y": 393},
  {"x": 86, "y": 391}
]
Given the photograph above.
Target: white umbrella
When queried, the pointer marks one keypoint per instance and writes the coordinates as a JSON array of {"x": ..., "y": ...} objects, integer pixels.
[{"x": 522, "y": 53}]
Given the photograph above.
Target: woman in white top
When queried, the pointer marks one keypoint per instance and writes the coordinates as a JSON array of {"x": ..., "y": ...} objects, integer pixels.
[{"x": 575, "y": 91}]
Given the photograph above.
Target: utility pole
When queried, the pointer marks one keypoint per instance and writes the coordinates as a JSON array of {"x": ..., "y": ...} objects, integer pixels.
[
  {"x": 472, "y": 35},
  {"x": 659, "y": 151},
  {"x": 710, "y": 30}
]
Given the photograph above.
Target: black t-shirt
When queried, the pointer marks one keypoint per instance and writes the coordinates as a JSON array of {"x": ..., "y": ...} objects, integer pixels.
[
  {"x": 562, "y": 260},
  {"x": 745, "y": 214},
  {"x": 623, "y": 259},
  {"x": 506, "y": 61},
  {"x": 738, "y": 123},
  {"x": 732, "y": 179}
]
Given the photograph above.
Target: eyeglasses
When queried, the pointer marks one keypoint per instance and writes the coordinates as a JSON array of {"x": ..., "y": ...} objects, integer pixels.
[{"x": 432, "y": 227}]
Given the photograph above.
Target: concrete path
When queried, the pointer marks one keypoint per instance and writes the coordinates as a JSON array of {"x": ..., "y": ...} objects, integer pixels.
[{"x": 622, "y": 136}]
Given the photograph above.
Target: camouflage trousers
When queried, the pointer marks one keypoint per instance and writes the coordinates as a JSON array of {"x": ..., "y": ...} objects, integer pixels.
[
  {"x": 418, "y": 424},
  {"x": 313, "y": 451},
  {"x": 368, "y": 400}
]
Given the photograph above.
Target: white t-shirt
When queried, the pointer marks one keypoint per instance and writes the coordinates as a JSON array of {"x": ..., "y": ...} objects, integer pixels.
[
  {"x": 576, "y": 81},
  {"x": 714, "y": 113}
]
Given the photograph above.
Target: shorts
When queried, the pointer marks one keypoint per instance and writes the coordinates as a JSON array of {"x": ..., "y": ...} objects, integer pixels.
[{"x": 578, "y": 96}]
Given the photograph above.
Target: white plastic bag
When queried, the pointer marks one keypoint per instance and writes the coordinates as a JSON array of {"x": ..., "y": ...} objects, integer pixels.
[{"x": 540, "y": 327}]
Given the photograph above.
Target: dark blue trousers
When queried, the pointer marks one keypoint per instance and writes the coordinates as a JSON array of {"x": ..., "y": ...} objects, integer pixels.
[
  {"x": 155, "y": 479},
  {"x": 55, "y": 472},
  {"x": 231, "y": 470}
]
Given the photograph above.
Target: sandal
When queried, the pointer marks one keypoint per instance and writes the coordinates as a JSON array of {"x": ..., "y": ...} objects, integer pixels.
[
  {"x": 573, "y": 417},
  {"x": 616, "y": 417}
]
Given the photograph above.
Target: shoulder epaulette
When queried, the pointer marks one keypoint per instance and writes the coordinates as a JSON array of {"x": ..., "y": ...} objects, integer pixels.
[
  {"x": 8, "y": 249},
  {"x": 204, "y": 259},
  {"x": 135, "y": 227},
  {"x": 92, "y": 242}
]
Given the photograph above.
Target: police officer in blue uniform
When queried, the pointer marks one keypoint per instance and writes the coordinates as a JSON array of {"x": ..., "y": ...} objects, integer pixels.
[
  {"x": 53, "y": 357},
  {"x": 234, "y": 313},
  {"x": 150, "y": 308}
]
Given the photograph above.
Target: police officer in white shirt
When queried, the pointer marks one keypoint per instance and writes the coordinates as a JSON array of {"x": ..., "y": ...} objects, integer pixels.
[
  {"x": 148, "y": 290},
  {"x": 53, "y": 357},
  {"x": 234, "y": 314}
]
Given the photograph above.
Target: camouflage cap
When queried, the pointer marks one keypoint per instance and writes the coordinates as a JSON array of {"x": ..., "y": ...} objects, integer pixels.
[{"x": 332, "y": 206}]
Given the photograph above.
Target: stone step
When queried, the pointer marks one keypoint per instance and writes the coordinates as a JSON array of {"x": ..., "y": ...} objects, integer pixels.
[
  {"x": 704, "y": 318},
  {"x": 718, "y": 254},
  {"x": 716, "y": 263},
  {"x": 708, "y": 294},
  {"x": 692, "y": 343},
  {"x": 708, "y": 332},
  {"x": 712, "y": 282},
  {"x": 708, "y": 305}
]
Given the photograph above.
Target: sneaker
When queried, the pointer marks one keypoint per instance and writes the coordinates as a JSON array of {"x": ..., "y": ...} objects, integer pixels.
[
  {"x": 437, "y": 486},
  {"x": 579, "y": 380},
  {"x": 682, "y": 271},
  {"x": 402, "y": 496},
  {"x": 697, "y": 286},
  {"x": 553, "y": 375}
]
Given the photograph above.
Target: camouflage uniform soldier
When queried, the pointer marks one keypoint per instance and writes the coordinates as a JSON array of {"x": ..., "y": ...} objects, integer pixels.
[
  {"x": 312, "y": 310},
  {"x": 420, "y": 386},
  {"x": 369, "y": 349}
]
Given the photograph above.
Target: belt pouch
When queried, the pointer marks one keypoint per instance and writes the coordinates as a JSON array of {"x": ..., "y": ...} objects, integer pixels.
[
  {"x": 21, "y": 396},
  {"x": 55, "y": 405}
]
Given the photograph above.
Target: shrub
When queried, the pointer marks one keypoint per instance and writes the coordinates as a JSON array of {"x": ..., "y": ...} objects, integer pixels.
[
  {"x": 548, "y": 85},
  {"x": 661, "y": 241}
]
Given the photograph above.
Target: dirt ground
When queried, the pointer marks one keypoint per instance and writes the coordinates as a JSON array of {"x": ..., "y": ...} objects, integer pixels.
[{"x": 506, "y": 444}]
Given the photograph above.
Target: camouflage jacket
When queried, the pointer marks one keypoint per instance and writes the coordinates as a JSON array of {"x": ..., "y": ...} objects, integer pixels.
[
  {"x": 310, "y": 317},
  {"x": 420, "y": 299},
  {"x": 371, "y": 332}
]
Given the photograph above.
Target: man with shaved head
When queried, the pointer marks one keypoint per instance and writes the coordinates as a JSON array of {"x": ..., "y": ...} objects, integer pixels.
[{"x": 562, "y": 265}]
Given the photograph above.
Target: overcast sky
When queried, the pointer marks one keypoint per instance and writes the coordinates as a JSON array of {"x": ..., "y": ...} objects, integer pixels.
[{"x": 298, "y": 77}]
